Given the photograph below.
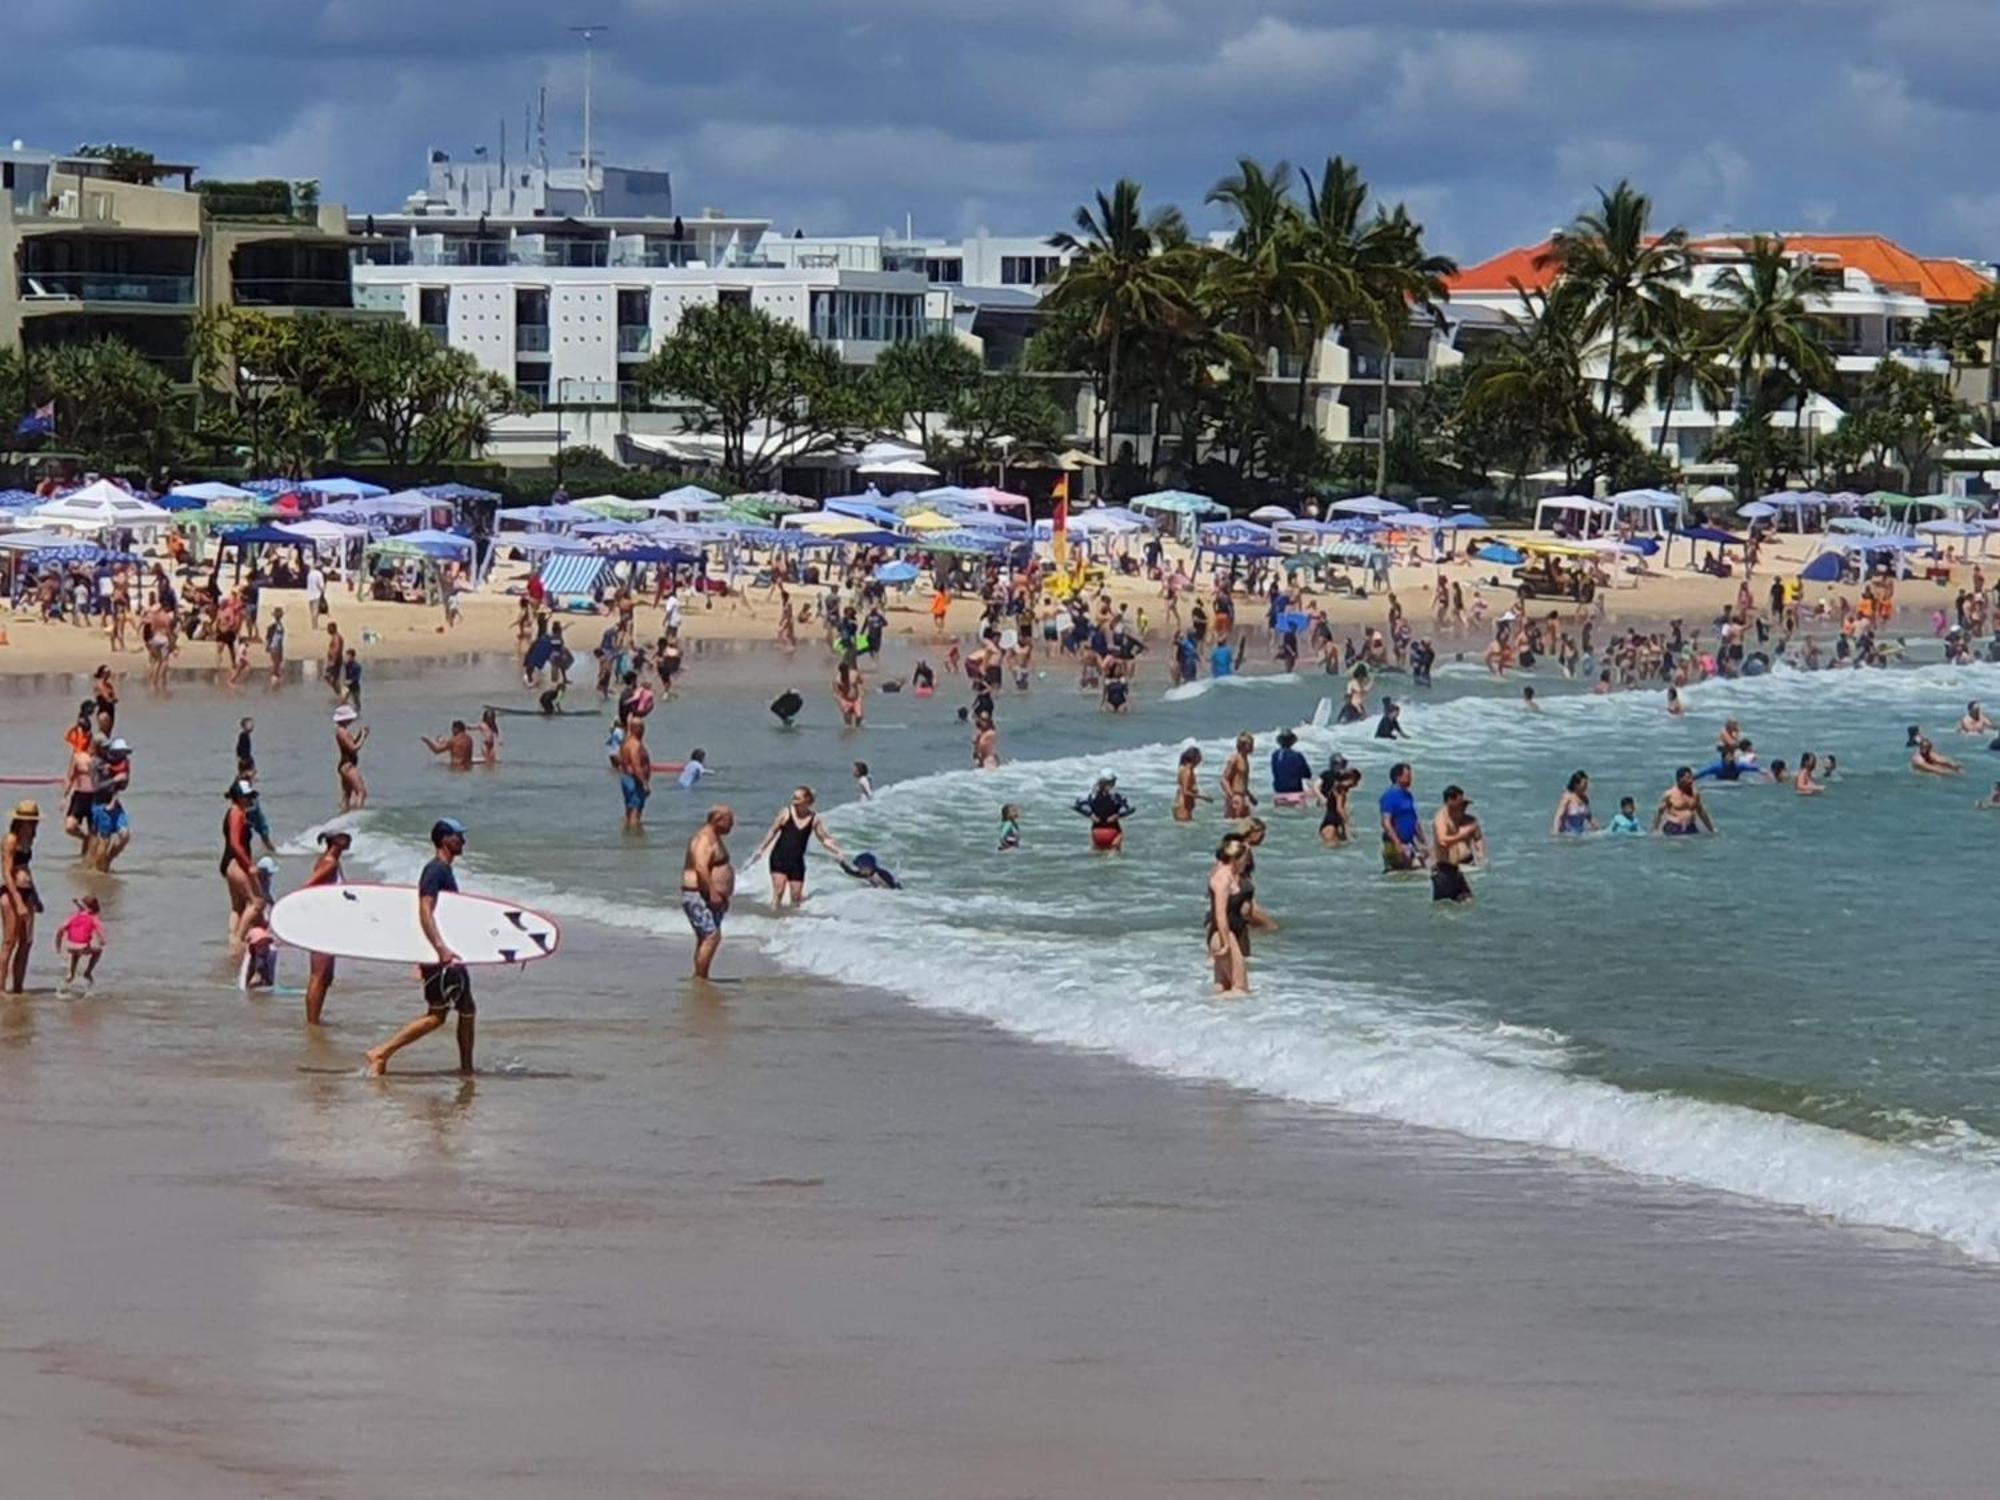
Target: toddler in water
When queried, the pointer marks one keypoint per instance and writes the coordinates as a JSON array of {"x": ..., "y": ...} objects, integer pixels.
[
  {"x": 861, "y": 782},
  {"x": 82, "y": 938},
  {"x": 260, "y": 949},
  {"x": 1010, "y": 826},
  {"x": 1627, "y": 820}
]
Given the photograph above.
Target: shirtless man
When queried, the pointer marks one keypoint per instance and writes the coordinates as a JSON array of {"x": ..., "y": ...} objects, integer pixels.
[
  {"x": 1236, "y": 798},
  {"x": 78, "y": 786},
  {"x": 635, "y": 773},
  {"x": 1975, "y": 720},
  {"x": 1927, "y": 761},
  {"x": 708, "y": 880},
  {"x": 985, "y": 744},
  {"x": 1681, "y": 809},
  {"x": 457, "y": 744},
  {"x": 1455, "y": 843}
]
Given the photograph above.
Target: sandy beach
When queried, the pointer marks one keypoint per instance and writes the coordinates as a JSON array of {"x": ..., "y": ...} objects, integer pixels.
[{"x": 400, "y": 632}]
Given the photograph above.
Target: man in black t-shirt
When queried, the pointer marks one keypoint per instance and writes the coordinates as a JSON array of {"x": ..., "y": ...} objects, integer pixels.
[{"x": 447, "y": 985}]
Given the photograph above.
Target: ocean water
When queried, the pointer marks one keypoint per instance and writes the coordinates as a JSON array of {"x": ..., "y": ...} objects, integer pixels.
[{"x": 1796, "y": 1011}]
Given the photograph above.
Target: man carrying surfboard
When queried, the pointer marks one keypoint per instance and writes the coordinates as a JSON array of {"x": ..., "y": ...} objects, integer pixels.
[{"x": 447, "y": 984}]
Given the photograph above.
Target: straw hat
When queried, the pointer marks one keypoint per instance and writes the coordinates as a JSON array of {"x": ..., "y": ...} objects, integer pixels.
[
  {"x": 27, "y": 811},
  {"x": 347, "y": 713}
]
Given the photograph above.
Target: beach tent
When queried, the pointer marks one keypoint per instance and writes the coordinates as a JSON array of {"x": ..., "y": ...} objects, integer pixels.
[
  {"x": 100, "y": 506},
  {"x": 1593, "y": 515},
  {"x": 207, "y": 491},
  {"x": 999, "y": 499},
  {"x": 1465, "y": 520},
  {"x": 259, "y": 536},
  {"x": 441, "y": 544},
  {"x": 1234, "y": 531},
  {"x": 612, "y": 507},
  {"x": 1366, "y": 505},
  {"x": 899, "y": 468},
  {"x": 769, "y": 505},
  {"x": 320, "y": 532},
  {"x": 1652, "y": 511},
  {"x": 336, "y": 488},
  {"x": 1825, "y": 567},
  {"x": 1241, "y": 549},
  {"x": 572, "y": 574},
  {"x": 1178, "y": 503},
  {"x": 456, "y": 492},
  {"x": 543, "y": 515},
  {"x": 611, "y": 528},
  {"x": 1714, "y": 535},
  {"x": 866, "y": 506},
  {"x": 988, "y": 520}
]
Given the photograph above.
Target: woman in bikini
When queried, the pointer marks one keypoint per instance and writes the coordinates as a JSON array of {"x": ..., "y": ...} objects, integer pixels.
[{"x": 20, "y": 904}]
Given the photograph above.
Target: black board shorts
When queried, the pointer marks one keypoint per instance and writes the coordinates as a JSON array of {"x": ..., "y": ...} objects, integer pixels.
[
  {"x": 1448, "y": 884},
  {"x": 448, "y": 987}
]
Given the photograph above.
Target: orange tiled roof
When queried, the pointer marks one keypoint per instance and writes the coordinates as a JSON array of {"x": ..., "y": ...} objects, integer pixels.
[
  {"x": 1888, "y": 265},
  {"x": 1501, "y": 272}
]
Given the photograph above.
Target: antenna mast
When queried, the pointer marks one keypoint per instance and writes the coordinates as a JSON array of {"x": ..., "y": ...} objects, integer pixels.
[{"x": 589, "y": 34}]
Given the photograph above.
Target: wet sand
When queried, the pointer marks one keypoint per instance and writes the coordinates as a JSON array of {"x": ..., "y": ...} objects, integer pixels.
[{"x": 810, "y": 1242}]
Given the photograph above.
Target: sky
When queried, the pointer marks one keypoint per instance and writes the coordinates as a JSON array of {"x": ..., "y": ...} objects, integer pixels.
[{"x": 1492, "y": 119}]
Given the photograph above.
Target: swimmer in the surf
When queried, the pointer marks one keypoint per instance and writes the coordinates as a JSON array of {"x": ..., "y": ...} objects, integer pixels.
[
  {"x": 1106, "y": 808},
  {"x": 866, "y": 868},
  {"x": 1991, "y": 801},
  {"x": 1010, "y": 826},
  {"x": 1928, "y": 762},
  {"x": 1975, "y": 720},
  {"x": 1187, "y": 791},
  {"x": 1528, "y": 700},
  {"x": 864, "y": 787},
  {"x": 1681, "y": 810}
]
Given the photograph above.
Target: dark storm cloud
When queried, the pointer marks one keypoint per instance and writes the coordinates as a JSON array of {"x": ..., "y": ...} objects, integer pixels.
[{"x": 1493, "y": 118}]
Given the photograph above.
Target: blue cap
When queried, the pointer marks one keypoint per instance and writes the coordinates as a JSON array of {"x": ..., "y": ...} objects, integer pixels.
[
  {"x": 864, "y": 861},
  {"x": 445, "y": 828}
]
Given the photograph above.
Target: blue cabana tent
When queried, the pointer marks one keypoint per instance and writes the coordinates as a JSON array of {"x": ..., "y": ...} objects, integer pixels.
[
  {"x": 865, "y": 508},
  {"x": 440, "y": 543},
  {"x": 337, "y": 488},
  {"x": 259, "y": 536},
  {"x": 1825, "y": 568},
  {"x": 456, "y": 492}
]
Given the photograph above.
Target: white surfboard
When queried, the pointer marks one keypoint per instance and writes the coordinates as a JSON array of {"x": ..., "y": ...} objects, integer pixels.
[{"x": 380, "y": 922}]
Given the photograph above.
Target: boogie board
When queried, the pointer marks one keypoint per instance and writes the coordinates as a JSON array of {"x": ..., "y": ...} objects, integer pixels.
[{"x": 380, "y": 922}]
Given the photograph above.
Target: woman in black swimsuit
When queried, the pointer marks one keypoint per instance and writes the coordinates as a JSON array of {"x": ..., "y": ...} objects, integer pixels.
[
  {"x": 1335, "y": 782},
  {"x": 790, "y": 833},
  {"x": 1228, "y": 919},
  {"x": 19, "y": 902}
]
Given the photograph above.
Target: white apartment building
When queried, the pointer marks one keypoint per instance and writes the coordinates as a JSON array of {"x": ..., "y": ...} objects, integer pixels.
[
  {"x": 1871, "y": 292},
  {"x": 563, "y": 281}
]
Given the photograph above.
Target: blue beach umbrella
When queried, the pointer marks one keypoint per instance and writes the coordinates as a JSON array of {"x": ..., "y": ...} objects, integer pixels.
[{"x": 1499, "y": 552}]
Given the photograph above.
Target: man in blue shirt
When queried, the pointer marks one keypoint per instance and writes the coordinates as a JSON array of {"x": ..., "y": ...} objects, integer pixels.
[
  {"x": 1290, "y": 771},
  {"x": 1402, "y": 829},
  {"x": 447, "y": 985}
]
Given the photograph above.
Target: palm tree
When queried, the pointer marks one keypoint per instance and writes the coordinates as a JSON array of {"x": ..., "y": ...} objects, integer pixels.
[
  {"x": 1400, "y": 277},
  {"x": 1267, "y": 281},
  {"x": 1533, "y": 385},
  {"x": 1767, "y": 327},
  {"x": 1680, "y": 349},
  {"x": 1621, "y": 264},
  {"x": 1340, "y": 238},
  {"x": 1118, "y": 275}
]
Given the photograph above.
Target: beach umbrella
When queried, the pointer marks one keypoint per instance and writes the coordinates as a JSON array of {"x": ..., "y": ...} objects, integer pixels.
[
  {"x": 1499, "y": 552},
  {"x": 337, "y": 488},
  {"x": 1757, "y": 510},
  {"x": 1712, "y": 494},
  {"x": 898, "y": 573},
  {"x": 1465, "y": 520},
  {"x": 1272, "y": 513}
]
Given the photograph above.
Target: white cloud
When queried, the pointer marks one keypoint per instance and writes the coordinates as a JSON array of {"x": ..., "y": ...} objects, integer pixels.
[{"x": 1454, "y": 74}]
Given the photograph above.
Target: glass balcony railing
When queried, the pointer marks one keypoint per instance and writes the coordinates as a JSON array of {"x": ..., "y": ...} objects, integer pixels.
[
  {"x": 292, "y": 291},
  {"x": 635, "y": 338},
  {"x": 536, "y": 391},
  {"x": 531, "y": 338},
  {"x": 438, "y": 331},
  {"x": 106, "y": 286}
]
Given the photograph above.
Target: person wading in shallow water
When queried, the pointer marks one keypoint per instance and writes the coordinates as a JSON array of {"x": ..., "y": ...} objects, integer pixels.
[
  {"x": 708, "y": 880},
  {"x": 447, "y": 984}
]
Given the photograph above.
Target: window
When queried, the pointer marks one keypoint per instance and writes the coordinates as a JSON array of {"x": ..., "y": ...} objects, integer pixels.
[
  {"x": 944, "y": 272},
  {"x": 734, "y": 296},
  {"x": 434, "y": 306},
  {"x": 632, "y": 307},
  {"x": 531, "y": 307},
  {"x": 1029, "y": 270},
  {"x": 867, "y": 317}
]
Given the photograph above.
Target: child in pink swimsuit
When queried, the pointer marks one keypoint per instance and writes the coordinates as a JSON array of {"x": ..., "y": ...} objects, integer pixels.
[{"x": 82, "y": 938}]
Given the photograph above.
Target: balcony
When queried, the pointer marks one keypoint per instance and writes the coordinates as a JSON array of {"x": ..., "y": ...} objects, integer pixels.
[
  {"x": 293, "y": 291},
  {"x": 635, "y": 339},
  {"x": 122, "y": 287},
  {"x": 439, "y": 331},
  {"x": 1402, "y": 371},
  {"x": 530, "y": 338},
  {"x": 657, "y": 255},
  {"x": 536, "y": 391}
]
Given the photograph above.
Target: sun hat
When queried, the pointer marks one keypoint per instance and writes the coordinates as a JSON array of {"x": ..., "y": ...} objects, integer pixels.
[
  {"x": 347, "y": 713},
  {"x": 27, "y": 810},
  {"x": 119, "y": 747}
]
